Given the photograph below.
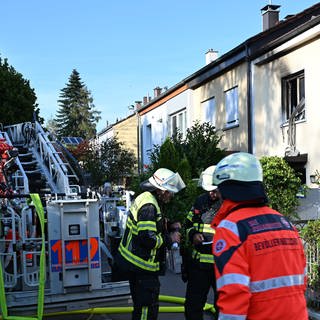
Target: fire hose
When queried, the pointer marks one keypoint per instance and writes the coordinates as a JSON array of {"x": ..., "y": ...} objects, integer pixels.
[{"x": 107, "y": 310}]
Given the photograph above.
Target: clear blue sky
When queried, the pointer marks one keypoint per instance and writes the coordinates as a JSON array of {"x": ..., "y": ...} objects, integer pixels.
[{"x": 122, "y": 49}]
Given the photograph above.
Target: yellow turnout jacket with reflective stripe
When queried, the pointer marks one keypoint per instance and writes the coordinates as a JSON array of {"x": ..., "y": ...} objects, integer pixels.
[{"x": 142, "y": 237}]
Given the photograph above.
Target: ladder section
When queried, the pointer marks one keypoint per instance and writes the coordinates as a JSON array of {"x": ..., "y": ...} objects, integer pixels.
[{"x": 43, "y": 162}]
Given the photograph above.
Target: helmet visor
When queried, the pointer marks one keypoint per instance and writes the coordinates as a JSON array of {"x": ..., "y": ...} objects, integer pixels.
[{"x": 173, "y": 183}]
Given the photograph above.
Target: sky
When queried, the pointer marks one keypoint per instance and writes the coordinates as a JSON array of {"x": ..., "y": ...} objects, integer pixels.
[{"x": 122, "y": 49}]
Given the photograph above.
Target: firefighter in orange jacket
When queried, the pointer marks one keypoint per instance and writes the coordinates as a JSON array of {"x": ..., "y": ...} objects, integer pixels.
[{"x": 259, "y": 259}]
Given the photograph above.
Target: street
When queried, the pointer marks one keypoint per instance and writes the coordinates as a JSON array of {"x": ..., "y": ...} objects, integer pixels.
[{"x": 171, "y": 285}]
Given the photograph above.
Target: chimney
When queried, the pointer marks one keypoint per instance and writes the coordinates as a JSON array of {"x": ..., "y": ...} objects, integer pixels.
[
  {"x": 270, "y": 16},
  {"x": 157, "y": 91},
  {"x": 211, "y": 55},
  {"x": 145, "y": 100},
  {"x": 138, "y": 104}
]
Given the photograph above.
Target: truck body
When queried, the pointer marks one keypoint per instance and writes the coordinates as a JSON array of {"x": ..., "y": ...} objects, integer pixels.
[{"x": 79, "y": 230}]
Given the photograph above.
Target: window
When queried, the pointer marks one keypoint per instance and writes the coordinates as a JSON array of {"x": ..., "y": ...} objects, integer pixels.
[
  {"x": 209, "y": 111},
  {"x": 231, "y": 97},
  {"x": 293, "y": 94},
  {"x": 178, "y": 123},
  {"x": 148, "y": 138}
]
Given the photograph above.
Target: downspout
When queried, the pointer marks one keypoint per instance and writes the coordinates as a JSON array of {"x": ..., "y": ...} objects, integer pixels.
[
  {"x": 249, "y": 99},
  {"x": 139, "y": 142}
]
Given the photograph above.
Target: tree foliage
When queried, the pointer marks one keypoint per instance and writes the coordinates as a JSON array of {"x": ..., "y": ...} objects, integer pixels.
[
  {"x": 189, "y": 157},
  {"x": 17, "y": 98},
  {"x": 108, "y": 161},
  {"x": 282, "y": 185},
  {"x": 311, "y": 232},
  {"x": 76, "y": 115},
  {"x": 199, "y": 149}
]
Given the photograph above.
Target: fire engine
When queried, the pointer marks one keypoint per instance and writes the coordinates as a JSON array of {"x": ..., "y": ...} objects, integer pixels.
[{"x": 57, "y": 237}]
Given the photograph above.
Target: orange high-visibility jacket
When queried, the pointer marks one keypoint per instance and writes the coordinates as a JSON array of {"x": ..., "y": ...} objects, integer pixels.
[{"x": 260, "y": 265}]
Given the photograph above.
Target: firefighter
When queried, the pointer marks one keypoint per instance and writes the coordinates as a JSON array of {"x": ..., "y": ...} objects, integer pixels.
[
  {"x": 259, "y": 259},
  {"x": 142, "y": 248},
  {"x": 197, "y": 268}
]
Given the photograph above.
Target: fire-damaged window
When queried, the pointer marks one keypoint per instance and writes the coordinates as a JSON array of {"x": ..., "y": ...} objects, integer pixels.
[{"x": 293, "y": 94}]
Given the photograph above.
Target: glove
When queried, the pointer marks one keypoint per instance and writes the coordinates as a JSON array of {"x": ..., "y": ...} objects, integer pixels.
[{"x": 184, "y": 272}]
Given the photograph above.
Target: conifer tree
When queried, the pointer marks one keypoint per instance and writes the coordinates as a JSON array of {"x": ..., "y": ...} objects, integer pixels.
[{"x": 76, "y": 115}]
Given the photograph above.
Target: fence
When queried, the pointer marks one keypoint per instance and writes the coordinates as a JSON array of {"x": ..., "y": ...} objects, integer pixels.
[{"x": 313, "y": 271}]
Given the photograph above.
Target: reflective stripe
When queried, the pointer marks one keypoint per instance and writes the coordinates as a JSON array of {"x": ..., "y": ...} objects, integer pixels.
[
  {"x": 263, "y": 285},
  {"x": 195, "y": 254},
  {"x": 144, "y": 313},
  {"x": 202, "y": 257},
  {"x": 276, "y": 283},
  {"x": 197, "y": 226},
  {"x": 147, "y": 225},
  {"x": 159, "y": 241},
  {"x": 231, "y": 226},
  {"x": 132, "y": 226},
  {"x": 223, "y": 316},
  {"x": 140, "y": 201},
  {"x": 143, "y": 264},
  {"x": 207, "y": 229},
  {"x": 190, "y": 215},
  {"x": 233, "y": 278},
  {"x": 206, "y": 258}
]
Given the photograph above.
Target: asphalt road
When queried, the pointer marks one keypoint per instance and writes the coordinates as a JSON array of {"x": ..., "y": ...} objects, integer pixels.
[{"x": 171, "y": 285}]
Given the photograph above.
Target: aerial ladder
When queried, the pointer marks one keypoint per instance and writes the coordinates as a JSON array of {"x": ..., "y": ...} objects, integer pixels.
[{"x": 54, "y": 235}]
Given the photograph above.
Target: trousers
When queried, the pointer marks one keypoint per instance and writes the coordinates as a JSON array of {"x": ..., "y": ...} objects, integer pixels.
[
  {"x": 199, "y": 282},
  {"x": 145, "y": 290}
]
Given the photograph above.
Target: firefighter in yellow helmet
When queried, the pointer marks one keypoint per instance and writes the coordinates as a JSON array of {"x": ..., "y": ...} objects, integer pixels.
[
  {"x": 198, "y": 269},
  {"x": 141, "y": 250}
]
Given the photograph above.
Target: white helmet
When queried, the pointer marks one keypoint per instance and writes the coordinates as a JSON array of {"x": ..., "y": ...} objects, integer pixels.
[
  {"x": 205, "y": 180},
  {"x": 239, "y": 178},
  {"x": 165, "y": 179},
  {"x": 239, "y": 166}
]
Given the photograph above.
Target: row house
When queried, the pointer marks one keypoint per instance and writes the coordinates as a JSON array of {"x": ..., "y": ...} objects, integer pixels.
[
  {"x": 263, "y": 95},
  {"x": 126, "y": 132}
]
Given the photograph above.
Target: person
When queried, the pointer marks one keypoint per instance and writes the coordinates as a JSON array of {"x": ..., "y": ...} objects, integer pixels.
[
  {"x": 107, "y": 189},
  {"x": 146, "y": 237},
  {"x": 197, "y": 268},
  {"x": 259, "y": 258}
]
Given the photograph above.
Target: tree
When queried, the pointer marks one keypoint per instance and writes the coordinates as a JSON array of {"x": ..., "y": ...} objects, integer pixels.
[
  {"x": 199, "y": 148},
  {"x": 282, "y": 185},
  {"x": 189, "y": 157},
  {"x": 109, "y": 161},
  {"x": 18, "y": 100},
  {"x": 76, "y": 115}
]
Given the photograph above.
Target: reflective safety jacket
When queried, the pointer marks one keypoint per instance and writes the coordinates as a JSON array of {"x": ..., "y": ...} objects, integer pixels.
[
  {"x": 142, "y": 237},
  {"x": 260, "y": 265},
  {"x": 198, "y": 221}
]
